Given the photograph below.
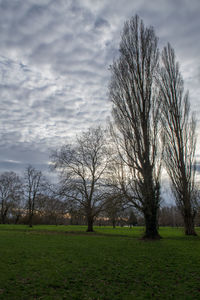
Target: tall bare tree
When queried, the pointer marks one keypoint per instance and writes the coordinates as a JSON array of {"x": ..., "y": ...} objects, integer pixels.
[
  {"x": 32, "y": 187},
  {"x": 179, "y": 133},
  {"x": 136, "y": 116},
  {"x": 11, "y": 193},
  {"x": 82, "y": 166}
]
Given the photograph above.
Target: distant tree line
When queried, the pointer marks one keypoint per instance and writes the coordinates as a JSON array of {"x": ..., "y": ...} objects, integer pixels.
[
  {"x": 114, "y": 175},
  {"x": 28, "y": 198},
  {"x": 32, "y": 200}
]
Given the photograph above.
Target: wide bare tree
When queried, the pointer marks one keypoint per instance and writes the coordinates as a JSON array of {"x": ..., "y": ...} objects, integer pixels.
[
  {"x": 33, "y": 184},
  {"x": 11, "y": 193},
  {"x": 136, "y": 116},
  {"x": 180, "y": 138},
  {"x": 82, "y": 166}
]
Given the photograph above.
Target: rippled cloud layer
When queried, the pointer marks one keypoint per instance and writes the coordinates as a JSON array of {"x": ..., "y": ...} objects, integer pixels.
[{"x": 54, "y": 67}]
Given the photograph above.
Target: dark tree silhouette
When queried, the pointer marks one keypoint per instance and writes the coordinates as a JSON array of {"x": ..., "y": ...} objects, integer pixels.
[
  {"x": 132, "y": 220},
  {"x": 180, "y": 139},
  {"x": 32, "y": 188},
  {"x": 114, "y": 206},
  {"x": 50, "y": 209},
  {"x": 136, "y": 117},
  {"x": 10, "y": 193}
]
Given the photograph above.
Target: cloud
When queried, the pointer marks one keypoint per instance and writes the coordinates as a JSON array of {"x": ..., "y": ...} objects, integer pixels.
[
  {"x": 54, "y": 60},
  {"x": 101, "y": 23}
]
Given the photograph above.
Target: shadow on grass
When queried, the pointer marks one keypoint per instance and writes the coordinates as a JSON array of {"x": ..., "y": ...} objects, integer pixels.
[
  {"x": 178, "y": 235},
  {"x": 68, "y": 232}
]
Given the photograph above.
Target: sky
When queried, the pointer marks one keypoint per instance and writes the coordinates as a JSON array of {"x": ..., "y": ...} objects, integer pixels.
[{"x": 54, "y": 67}]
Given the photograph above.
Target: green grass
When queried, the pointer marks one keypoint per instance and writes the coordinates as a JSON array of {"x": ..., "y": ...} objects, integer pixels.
[{"x": 64, "y": 262}]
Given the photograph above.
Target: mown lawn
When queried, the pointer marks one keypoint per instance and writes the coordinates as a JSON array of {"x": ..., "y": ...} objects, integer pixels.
[{"x": 64, "y": 262}]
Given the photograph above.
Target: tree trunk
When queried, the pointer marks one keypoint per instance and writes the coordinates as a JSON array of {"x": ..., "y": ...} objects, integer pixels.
[
  {"x": 114, "y": 223},
  {"x": 151, "y": 196},
  {"x": 90, "y": 224},
  {"x": 151, "y": 224},
  {"x": 189, "y": 224},
  {"x": 30, "y": 221},
  {"x": 3, "y": 217},
  {"x": 17, "y": 219}
]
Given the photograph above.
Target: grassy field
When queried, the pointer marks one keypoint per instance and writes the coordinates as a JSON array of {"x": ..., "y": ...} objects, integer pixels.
[{"x": 64, "y": 262}]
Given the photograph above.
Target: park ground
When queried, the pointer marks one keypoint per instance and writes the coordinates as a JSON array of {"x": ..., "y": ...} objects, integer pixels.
[{"x": 65, "y": 262}]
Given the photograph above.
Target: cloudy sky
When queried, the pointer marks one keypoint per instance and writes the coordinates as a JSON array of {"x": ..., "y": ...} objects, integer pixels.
[{"x": 54, "y": 61}]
